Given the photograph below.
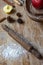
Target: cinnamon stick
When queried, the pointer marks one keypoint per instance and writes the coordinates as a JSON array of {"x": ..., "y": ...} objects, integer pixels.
[
  {"x": 9, "y": 3},
  {"x": 2, "y": 19}
]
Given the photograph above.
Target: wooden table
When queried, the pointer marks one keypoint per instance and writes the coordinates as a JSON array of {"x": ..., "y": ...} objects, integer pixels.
[{"x": 32, "y": 30}]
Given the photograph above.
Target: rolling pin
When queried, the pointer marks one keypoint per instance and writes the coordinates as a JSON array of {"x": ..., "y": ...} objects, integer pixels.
[{"x": 23, "y": 42}]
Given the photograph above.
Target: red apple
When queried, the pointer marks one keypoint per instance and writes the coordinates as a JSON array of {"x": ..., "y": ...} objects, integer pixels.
[{"x": 37, "y": 3}]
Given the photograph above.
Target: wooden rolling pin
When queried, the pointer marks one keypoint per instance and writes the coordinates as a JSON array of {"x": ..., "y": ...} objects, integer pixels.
[{"x": 22, "y": 41}]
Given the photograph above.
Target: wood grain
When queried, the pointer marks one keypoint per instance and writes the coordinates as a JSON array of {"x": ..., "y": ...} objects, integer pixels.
[{"x": 32, "y": 30}]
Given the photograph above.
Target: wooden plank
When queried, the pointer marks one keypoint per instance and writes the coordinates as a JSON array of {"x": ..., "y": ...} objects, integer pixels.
[{"x": 32, "y": 30}]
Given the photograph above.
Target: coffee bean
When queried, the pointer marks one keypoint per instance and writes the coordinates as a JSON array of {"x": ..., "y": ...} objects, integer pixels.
[
  {"x": 20, "y": 21},
  {"x": 10, "y": 19},
  {"x": 19, "y": 14}
]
